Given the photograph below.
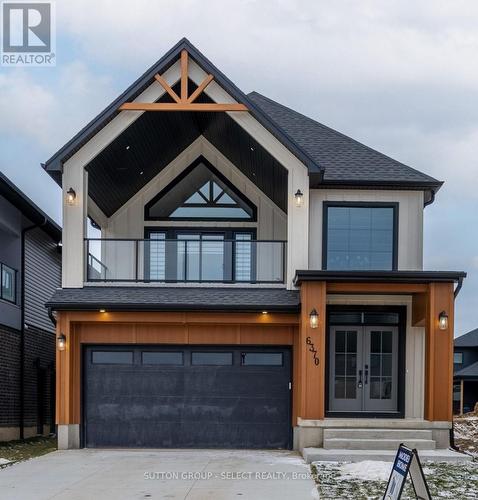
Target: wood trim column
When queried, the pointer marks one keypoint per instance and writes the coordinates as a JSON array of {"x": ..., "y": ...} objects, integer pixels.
[
  {"x": 67, "y": 374},
  {"x": 439, "y": 354},
  {"x": 312, "y": 375}
]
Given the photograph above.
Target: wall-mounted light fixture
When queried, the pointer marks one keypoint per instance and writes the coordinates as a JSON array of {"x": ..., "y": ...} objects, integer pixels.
[
  {"x": 299, "y": 198},
  {"x": 264, "y": 312},
  {"x": 102, "y": 310},
  {"x": 61, "y": 342},
  {"x": 314, "y": 318},
  {"x": 443, "y": 320},
  {"x": 70, "y": 196}
]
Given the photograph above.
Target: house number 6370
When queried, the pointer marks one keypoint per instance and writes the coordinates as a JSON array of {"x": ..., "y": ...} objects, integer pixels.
[{"x": 313, "y": 350}]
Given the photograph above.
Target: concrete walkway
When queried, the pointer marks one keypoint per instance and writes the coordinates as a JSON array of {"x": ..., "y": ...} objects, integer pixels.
[{"x": 171, "y": 474}]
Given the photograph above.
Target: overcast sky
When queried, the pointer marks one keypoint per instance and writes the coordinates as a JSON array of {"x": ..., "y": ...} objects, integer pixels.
[{"x": 400, "y": 76}]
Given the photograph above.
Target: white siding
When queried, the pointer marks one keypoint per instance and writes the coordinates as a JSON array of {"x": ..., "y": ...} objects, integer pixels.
[{"x": 410, "y": 222}]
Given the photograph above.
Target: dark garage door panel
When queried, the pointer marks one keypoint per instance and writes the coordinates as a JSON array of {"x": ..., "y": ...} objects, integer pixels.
[{"x": 187, "y": 406}]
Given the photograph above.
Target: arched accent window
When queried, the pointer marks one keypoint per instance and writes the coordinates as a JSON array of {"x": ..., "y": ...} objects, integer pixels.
[{"x": 201, "y": 193}]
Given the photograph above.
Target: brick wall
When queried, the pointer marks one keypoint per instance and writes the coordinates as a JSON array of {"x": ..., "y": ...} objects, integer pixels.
[
  {"x": 9, "y": 376},
  {"x": 39, "y": 375}
]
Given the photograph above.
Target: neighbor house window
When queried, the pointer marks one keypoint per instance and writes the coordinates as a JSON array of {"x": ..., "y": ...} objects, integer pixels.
[
  {"x": 458, "y": 358},
  {"x": 8, "y": 283},
  {"x": 360, "y": 236}
]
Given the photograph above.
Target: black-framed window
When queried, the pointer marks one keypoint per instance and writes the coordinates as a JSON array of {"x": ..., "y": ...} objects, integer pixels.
[
  {"x": 200, "y": 254},
  {"x": 211, "y": 358},
  {"x": 8, "y": 283},
  {"x": 360, "y": 236},
  {"x": 112, "y": 357},
  {"x": 201, "y": 192}
]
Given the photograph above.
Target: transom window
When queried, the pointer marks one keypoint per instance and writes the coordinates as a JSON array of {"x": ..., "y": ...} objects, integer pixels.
[
  {"x": 360, "y": 236},
  {"x": 200, "y": 193}
]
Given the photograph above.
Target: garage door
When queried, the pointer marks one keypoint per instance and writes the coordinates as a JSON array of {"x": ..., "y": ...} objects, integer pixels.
[{"x": 194, "y": 397}]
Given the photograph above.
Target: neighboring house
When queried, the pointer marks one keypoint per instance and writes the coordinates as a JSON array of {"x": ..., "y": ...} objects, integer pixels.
[
  {"x": 465, "y": 364},
  {"x": 258, "y": 282},
  {"x": 30, "y": 268}
]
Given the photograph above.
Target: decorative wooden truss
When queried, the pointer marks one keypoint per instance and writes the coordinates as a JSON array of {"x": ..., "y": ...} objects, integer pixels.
[{"x": 182, "y": 102}]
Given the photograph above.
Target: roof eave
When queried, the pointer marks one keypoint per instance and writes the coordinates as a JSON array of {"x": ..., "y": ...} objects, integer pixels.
[
  {"x": 379, "y": 276},
  {"x": 55, "y": 163}
]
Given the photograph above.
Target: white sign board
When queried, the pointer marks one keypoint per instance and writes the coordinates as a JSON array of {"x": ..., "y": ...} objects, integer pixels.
[{"x": 406, "y": 461}]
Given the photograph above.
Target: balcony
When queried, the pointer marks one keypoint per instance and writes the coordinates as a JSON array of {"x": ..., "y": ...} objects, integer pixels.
[{"x": 210, "y": 259}]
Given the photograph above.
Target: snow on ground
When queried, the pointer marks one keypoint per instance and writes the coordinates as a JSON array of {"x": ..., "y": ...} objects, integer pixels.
[
  {"x": 4, "y": 461},
  {"x": 367, "y": 480},
  {"x": 368, "y": 470},
  {"x": 465, "y": 429}
]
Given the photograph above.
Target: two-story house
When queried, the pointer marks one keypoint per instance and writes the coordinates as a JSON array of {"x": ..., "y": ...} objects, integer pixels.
[
  {"x": 258, "y": 280},
  {"x": 30, "y": 270},
  {"x": 465, "y": 361}
]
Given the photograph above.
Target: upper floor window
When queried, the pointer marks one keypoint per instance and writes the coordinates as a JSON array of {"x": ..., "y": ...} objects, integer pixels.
[
  {"x": 200, "y": 193},
  {"x": 458, "y": 358},
  {"x": 8, "y": 283},
  {"x": 360, "y": 236}
]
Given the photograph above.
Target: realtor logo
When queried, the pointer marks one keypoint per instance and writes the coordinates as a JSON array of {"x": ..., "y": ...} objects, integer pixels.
[{"x": 28, "y": 35}]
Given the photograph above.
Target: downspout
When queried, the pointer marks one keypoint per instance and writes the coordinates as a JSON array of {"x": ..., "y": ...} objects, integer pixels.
[
  {"x": 22, "y": 330},
  {"x": 51, "y": 316},
  {"x": 458, "y": 287}
]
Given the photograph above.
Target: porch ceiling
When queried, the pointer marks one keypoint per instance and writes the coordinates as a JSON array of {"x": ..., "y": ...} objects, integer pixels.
[{"x": 148, "y": 145}]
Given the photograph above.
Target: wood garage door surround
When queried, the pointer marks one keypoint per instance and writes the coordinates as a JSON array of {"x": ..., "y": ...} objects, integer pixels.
[{"x": 80, "y": 328}]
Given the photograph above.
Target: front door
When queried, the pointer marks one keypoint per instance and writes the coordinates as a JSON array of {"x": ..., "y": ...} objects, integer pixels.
[{"x": 363, "y": 368}]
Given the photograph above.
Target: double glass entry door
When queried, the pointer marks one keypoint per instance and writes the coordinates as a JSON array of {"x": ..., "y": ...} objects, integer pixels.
[{"x": 363, "y": 368}]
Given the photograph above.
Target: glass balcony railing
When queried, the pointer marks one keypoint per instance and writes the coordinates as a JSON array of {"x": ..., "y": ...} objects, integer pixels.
[{"x": 211, "y": 260}]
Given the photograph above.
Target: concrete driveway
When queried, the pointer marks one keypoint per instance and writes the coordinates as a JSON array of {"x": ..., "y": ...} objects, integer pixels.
[{"x": 171, "y": 474}]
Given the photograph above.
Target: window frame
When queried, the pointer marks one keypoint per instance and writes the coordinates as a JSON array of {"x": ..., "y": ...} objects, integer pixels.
[
  {"x": 221, "y": 177},
  {"x": 458, "y": 362},
  {"x": 360, "y": 204},
  {"x": 15, "y": 274},
  {"x": 172, "y": 232}
]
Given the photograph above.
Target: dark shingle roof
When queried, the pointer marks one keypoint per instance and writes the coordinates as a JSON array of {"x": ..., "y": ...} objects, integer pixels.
[
  {"x": 175, "y": 298},
  {"x": 342, "y": 158},
  {"x": 29, "y": 209},
  {"x": 470, "y": 371},
  {"x": 469, "y": 339}
]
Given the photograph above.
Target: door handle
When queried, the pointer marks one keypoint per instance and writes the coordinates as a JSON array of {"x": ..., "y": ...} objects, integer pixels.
[
  {"x": 366, "y": 374},
  {"x": 360, "y": 385}
]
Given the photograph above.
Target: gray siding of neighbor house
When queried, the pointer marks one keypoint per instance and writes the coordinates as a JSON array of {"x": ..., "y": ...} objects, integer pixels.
[
  {"x": 43, "y": 276},
  {"x": 10, "y": 254}
]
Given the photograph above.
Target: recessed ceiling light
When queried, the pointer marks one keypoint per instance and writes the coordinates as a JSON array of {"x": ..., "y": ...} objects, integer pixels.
[
  {"x": 264, "y": 312},
  {"x": 102, "y": 310},
  {"x": 252, "y": 149},
  {"x": 141, "y": 173},
  {"x": 127, "y": 147}
]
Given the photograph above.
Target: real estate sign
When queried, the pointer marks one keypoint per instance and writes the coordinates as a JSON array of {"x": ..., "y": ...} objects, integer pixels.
[{"x": 406, "y": 461}]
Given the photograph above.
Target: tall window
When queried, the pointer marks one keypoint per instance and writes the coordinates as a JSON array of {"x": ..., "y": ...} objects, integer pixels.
[
  {"x": 200, "y": 193},
  {"x": 8, "y": 283},
  {"x": 360, "y": 237}
]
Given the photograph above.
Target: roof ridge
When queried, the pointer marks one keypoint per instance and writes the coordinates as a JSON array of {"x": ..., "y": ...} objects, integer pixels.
[{"x": 346, "y": 137}]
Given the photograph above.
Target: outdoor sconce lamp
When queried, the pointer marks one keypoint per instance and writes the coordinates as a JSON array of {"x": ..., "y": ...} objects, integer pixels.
[
  {"x": 443, "y": 320},
  {"x": 299, "y": 198},
  {"x": 70, "y": 196},
  {"x": 314, "y": 318},
  {"x": 61, "y": 341}
]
